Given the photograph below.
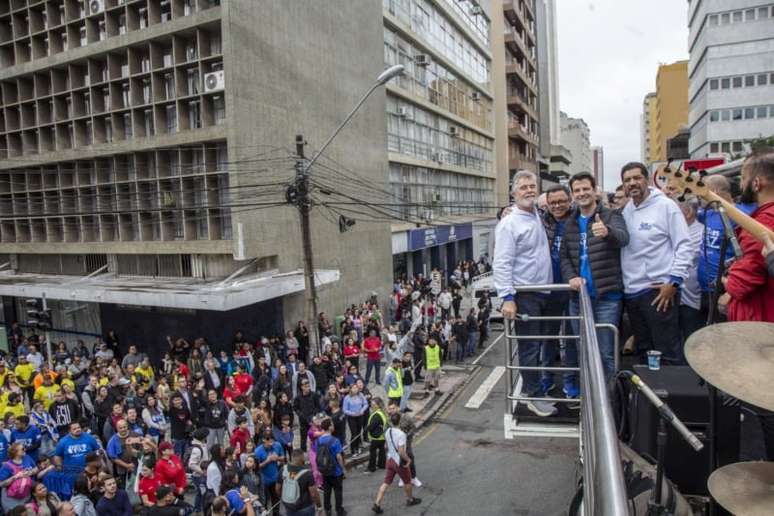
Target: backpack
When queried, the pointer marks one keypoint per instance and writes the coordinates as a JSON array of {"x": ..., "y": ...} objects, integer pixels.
[
  {"x": 187, "y": 458},
  {"x": 291, "y": 491},
  {"x": 326, "y": 462},
  {"x": 21, "y": 487}
]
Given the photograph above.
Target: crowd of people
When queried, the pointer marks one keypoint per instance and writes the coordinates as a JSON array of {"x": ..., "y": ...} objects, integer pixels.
[
  {"x": 264, "y": 426},
  {"x": 657, "y": 258}
]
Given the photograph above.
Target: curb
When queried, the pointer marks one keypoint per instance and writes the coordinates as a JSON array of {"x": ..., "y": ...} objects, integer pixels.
[{"x": 427, "y": 413}]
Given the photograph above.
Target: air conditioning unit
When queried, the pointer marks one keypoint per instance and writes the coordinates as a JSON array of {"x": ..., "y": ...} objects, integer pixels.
[
  {"x": 403, "y": 112},
  {"x": 421, "y": 60},
  {"x": 438, "y": 157},
  {"x": 214, "y": 81},
  {"x": 476, "y": 10},
  {"x": 454, "y": 131},
  {"x": 96, "y": 6},
  {"x": 436, "y": 197},
  {"x": 475, "y": 96}
]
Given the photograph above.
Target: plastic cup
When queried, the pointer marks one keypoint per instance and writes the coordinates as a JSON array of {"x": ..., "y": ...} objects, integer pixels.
[{"x": 654, "y": 360}]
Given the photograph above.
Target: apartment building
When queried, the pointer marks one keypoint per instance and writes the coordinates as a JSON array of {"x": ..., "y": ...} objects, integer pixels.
[
  {"x": 647, "y": 122},
  {"x": 145, "y": 149},
  {"x": 576, "y": 137}
]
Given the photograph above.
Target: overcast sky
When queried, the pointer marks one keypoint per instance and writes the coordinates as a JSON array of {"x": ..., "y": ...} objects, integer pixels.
[{"x": 609, "y": 52}]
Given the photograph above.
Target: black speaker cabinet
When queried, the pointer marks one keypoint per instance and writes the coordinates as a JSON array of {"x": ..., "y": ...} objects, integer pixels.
[{"x": 682, "y": 389}]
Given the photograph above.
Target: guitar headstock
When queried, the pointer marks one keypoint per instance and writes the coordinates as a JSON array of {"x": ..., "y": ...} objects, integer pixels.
[{"x": 682, "y": 181}]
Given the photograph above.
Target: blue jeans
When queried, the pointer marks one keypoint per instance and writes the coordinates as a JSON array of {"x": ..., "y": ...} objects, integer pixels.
[
  {"x": 406, "y": 394},
  {"x": 534, "y": 305},
  {"x": 472, "y": 341},
  {"x": 370, "y": 364},
  {"x": 179, "y": 446},
  {"x": 200, "y": 483},
  {"x": 605, "y": 312},
  {"x": 556, "y": 306}
]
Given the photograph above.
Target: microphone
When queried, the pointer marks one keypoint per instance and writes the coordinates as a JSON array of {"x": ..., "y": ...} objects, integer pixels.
[
  {"x": 730, "y": 233},
  {"x": 667, "y": 413}
]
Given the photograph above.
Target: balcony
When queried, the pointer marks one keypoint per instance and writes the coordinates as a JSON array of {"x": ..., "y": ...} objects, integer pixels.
[
  {"x": 519, "y": 104},
  {"x": 519, "y": 13},
  {"x": 519, "y": 161},
  {"x": 519, "y": 132},
  {"x": 516, "y": 44},
  {"x": 514, "y": 68}
]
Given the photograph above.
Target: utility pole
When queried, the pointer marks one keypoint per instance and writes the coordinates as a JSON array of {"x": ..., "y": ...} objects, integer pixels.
[
  {"x": 49, "y": 352},
  {"x": 301, "y": 193}
]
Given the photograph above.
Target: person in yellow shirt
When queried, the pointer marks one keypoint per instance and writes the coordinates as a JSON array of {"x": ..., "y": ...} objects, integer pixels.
[
  {"x": 37, "y": 380},
  {"x": 3, "y": 372},
  {"x": 24, "y": 371},
  {"x": 146, "y": 370},
  {"x": 45, "y": 393},
  {"x": 14, "y": 405}
]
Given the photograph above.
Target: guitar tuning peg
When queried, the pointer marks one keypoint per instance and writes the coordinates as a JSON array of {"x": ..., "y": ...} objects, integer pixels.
[
  {"x": 687, "y": 191},
  {"x": 678, "y": 174},
  {"x": 700, "y": 183},
  {"x": 681, "y": 198},
  {"x": 702, "y": 173},
  {"x": 689, "y": 179}
]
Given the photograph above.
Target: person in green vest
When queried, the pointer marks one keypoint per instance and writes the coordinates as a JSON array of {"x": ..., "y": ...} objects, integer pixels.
[
  {"x": 433, "y": 365},
  {"x": 393, "y": 380},
  {"x": 375, "y": 428}
]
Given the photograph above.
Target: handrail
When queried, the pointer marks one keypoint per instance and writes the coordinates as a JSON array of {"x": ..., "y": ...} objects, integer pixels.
[{"x": 604, "y": 493}]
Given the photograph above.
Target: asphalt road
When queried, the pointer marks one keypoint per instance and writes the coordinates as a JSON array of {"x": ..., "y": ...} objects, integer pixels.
[{"x": 469, "y": 468}]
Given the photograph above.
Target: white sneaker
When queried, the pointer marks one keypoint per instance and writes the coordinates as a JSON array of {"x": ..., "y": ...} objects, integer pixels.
[
  {"x": 415, "y": 482},
  {"x": 400, "y": 483}
]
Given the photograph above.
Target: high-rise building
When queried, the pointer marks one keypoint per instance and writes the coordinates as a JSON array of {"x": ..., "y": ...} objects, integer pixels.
[
  {"x": 598, "y": 166},
  {"x": 521, "y": 83},
  {"x": 731, "y": 73},
  {"x": 577, "y": 139},
  {"x": 441, "y": 129},
  {"x": 671, "y": 106},
  {"x": 143, "y": 161},
  {"x": 646, "y": 127}
]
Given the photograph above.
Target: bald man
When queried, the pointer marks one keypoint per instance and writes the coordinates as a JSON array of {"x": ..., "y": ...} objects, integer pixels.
[{"x": 709, "y": 257}]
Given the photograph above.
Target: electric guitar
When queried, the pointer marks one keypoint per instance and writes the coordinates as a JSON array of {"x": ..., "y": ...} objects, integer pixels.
[{"x": 693, "y": 183}]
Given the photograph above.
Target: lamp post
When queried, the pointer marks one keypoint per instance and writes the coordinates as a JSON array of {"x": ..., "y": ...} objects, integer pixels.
[{"x": 300, "y": 192}]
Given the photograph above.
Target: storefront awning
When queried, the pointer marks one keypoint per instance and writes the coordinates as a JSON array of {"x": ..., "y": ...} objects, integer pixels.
[{"x": 190, "y": 293}]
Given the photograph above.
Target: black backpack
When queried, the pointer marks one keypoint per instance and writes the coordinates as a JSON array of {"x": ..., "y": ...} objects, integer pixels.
[{"x": 326, "y": 462}]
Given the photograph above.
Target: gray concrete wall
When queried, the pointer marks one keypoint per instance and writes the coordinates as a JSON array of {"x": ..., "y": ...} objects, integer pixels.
[{"x": 298, "y": 67}]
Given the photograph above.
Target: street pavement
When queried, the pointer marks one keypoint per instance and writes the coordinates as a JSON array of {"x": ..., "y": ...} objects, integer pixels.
[{"x": 469, "y": 468}]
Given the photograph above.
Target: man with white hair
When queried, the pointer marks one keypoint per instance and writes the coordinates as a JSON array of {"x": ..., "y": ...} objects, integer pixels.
[{"x": 522, "y": 257}]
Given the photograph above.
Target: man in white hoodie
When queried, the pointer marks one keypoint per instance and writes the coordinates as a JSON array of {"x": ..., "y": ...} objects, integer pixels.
[{"x": 655, "y": 264}]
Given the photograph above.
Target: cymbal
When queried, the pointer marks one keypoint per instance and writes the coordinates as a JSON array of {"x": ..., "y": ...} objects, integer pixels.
[
  {"x": 737, "y": 358},
  {"x": 744, "y": 488}
]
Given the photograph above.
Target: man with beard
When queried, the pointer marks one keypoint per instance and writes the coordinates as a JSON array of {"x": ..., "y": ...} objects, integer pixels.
[
  {"x": 522, "y": 257},
  {"x": 654, "y": 264},
  {"x": 749, "y": 288}
]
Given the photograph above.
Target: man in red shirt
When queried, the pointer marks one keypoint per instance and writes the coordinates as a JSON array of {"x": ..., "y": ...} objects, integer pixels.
[
  {"x": 749, "y": 288},
  {"x": 373, "y": 349},
  {"x": 243, "y": 381}
]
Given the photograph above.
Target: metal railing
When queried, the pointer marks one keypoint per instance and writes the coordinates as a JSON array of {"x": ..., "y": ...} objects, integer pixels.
[{"x": 604, "y": 493}]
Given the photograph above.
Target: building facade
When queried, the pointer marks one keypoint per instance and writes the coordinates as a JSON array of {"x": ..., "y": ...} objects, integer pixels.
[
  {"x": 441, "y": 143},
  {"x": 576, "y": 137},
  {"x": 144, "y": 161},
  {"x": 646, "y": 128},
  {"x": 731, "y": 74},
  {"x": 598, "y": 166},
  {"x": 671, "y": 106}
]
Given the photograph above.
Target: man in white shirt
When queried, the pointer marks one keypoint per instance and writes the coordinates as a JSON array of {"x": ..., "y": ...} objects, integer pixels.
[
  {"x": 522, "y": 257},
  {"x": 396, "y": 440},
  {"x": 654, "y": 264},
  {"x": 34, "y": 357}
]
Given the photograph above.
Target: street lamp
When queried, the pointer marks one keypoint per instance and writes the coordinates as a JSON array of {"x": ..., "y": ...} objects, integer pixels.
[{"x": 302, "y": 194}]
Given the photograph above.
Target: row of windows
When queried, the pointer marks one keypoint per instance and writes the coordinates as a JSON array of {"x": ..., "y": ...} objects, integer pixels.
[
  {"x": 417, "y": 189},
  {"x": 742, "y": 81},
  {"x": 436, "y": 84},
  {"x": 741, "y": 16},
  {"x": 426, "y": 20},
  {"x": 472, "y": 16},
  {"x": 415, "y": 132},
  {"x": 728, "y": 147},
  {"x": 741, "y": 113}
]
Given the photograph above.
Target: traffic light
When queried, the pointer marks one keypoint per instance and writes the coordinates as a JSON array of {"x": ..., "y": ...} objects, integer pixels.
[{"x": 37, "y": 316}]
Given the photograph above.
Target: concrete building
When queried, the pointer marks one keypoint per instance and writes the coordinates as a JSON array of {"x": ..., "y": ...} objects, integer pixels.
[
  {"x": 646, "y": 128},
  {"x": 598, "y": 166},
  {"x": 576, "y": 137},
  {"x": 731, "y": 74},
  {"x": 143, "y": 160},
  {"x": 441, "y": 129},
  {"x": 671, "y": 106}
]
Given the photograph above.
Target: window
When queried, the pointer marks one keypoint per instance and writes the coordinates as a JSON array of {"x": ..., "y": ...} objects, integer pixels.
[
  {"x": 714, "y": 84},
  {"x": 726, "y": 146},
  {"x": 737, "y": 16},
  {"x": 83, "y": 39},
  {"x": 725, "y": 115},
  {"x": 125, "y": 94},
  {"x": 215, "y": 44},
  {"x": 127, "y": 126},
  {"x": 714, "y": 147},
  {"x": 194, "y": 115},
  {"x": 87, "y": 103},
  {"x": 148, "y": 115},
  {"x": 108, "y": 130},
  {"x": 102, "y": 30},
  {"x": 725, "y": 18},
  {"x": 167, "y": 58},
  {"x": 193, "y": 81},
  {"x": 737, "y": 82},
  {"x": 146, "y": 91},
  {"x": 737, "y": 146},
  {"x": 762, "y": 79},
  {"x": 761, "y": 112},
  {"x": 749, "y": 113},
  {"x": 169, "y": 85},
  {"x": 737, "y": 114},
  {"x": 749, "y": 80},
  {"x": 145, "y": 64},
  {"x": 749, "y": 15},
  {"x": 171, "y": 119},
  {"x": 122, "y": 24},
  {"x": 713, "y": 20},
  {"x": 725, "y": 83},
  {"x": 763, "y": 13},
  {"x": 771, "y": 111},
  {"x": 219, "y": 110},
  {"x": 714, "y": 116},
  {"x": 125, "y": 70}
]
